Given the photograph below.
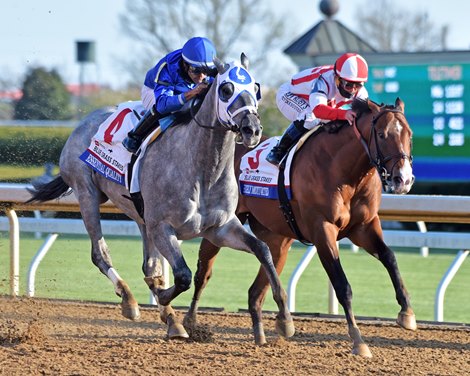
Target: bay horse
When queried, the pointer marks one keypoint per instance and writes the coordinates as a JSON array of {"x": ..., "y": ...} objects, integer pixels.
[
  {"x": 336, "y": 194},
  {"x": 189, "y": 190}
]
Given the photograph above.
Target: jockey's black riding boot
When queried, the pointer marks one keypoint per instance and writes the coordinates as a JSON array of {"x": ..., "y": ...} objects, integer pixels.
[
  {"x": 288, "y": 139},
  {"x": 143, "y": 128}
]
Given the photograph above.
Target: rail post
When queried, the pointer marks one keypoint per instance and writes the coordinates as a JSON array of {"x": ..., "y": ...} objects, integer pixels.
[{"x": 14, "y": 252}]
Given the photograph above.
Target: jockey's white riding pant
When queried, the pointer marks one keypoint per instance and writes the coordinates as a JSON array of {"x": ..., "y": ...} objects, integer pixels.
[
  {"x": 148, "y": 97},
  {"x": 294, "y": 107}
]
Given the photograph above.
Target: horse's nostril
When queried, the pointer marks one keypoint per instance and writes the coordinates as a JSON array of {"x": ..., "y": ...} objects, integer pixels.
[
  {"x": 247, "y": 131},
  {"x": 397, "y": 180}
]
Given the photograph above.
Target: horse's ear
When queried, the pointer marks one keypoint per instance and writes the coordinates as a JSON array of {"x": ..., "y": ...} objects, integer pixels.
[
  {"x": 221, "y": 67},
  {"x": 400, "y": 104},
  {"x": 374, "y": 107},
  {"x": 244, "y": 60}
]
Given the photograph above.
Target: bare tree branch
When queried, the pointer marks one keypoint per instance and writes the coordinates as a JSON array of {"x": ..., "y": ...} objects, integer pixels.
[
  {"x": 389, "y": 28},
  {"x": 235, "y": 26}
]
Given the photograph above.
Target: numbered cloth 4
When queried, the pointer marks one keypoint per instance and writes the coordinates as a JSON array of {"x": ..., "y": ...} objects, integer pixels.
[{"x": 106, "y": 155}]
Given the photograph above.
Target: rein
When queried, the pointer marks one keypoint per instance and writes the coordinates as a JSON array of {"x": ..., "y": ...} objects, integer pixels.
[{"x": 380, "y": 161}]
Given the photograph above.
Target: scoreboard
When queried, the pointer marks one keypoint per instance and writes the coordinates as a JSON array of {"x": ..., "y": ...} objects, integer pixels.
[{"x": 437, "y": 107}]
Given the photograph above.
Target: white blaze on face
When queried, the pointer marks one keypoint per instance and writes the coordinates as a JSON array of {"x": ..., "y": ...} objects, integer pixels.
[
  {"x": 406, "y": 171},
  {"x": 398, "y": 127}
]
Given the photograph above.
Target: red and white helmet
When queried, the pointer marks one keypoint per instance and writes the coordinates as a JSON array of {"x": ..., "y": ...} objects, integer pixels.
[{"x": 352, "y": 67}]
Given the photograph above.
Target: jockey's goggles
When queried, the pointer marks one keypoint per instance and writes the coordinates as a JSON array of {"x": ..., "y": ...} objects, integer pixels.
[
  {"x": 198, "y": 70},
  {"x": 349, "y": 85}
]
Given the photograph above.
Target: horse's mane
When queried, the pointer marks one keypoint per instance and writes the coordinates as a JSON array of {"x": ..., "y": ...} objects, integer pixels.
[
  {"x": 362, "y": 105},
  {"x": 185, "y": 116}
]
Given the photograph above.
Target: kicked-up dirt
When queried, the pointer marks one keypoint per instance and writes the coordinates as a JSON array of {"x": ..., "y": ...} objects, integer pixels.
[{"x": 50, "y": 337}]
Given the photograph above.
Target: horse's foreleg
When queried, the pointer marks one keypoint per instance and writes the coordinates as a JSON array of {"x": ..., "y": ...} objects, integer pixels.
[
  {"x": 372, "y": 241},
  {"x": 163, "y": 235},
  {"x": 167, "y": 314},
  {"x": 406, "y": 317},
  {"x": 344, "y": 294},
  {"x": 207, "y": 254},
  {"x": 325, "y": 242}
]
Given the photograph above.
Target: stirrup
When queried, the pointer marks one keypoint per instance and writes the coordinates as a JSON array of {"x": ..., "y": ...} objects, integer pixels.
[
  {"x": 131, "y": 144},
  {"x": 275, "y": 156}
]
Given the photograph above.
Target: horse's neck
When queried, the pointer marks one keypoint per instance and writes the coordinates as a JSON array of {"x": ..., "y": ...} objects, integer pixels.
[
  {"x": 347, "y": 151},
  {"x": 213, "y": 145},
  {"x": 357, "y": 146}
]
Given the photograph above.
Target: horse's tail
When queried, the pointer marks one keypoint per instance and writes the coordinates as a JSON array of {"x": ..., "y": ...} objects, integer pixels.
[{"x": 49, "y": 191}]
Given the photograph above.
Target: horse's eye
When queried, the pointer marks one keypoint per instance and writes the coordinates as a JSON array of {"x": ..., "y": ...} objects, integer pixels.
[
  {"x": 226, "y": 91},
  {"x": 381, "y": 135}
]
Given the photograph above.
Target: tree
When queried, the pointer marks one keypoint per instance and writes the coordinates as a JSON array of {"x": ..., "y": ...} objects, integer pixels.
[
  {"x": 389, "y": 28},
  {"x": 235, "y": 26},
  {"x": 45, "y": 97}
]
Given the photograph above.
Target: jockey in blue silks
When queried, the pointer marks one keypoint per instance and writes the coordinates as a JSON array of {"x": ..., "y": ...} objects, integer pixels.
[{"x": 177, "y": 78}]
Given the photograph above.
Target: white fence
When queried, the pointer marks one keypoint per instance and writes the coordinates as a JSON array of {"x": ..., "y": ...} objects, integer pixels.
[{"x": 408, "y": 208}]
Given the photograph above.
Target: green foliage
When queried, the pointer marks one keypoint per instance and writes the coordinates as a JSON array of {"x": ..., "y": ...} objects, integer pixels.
[
  {"x": 45, "y": 97},
  {"x": 32, "y": 146},
  {"x": 6, "y": 110},
  {"x": 272, "y": 120}
]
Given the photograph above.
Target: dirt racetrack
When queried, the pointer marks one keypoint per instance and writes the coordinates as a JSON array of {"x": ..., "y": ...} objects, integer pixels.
[{"x": 42, "y": 337}]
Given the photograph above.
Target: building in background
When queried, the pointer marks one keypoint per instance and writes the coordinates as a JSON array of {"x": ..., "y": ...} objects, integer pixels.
[{"x": 435, "y": 87}]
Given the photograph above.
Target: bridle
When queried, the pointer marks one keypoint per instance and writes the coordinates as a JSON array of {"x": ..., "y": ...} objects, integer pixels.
[
  {"x": 235, "y": 96},
  {"x": 230, "y": 125},
  {"x": 380, "y": 160}
]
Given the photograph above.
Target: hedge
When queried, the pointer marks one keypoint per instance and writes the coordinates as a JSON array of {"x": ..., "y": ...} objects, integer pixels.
[{"x": 32, "y": 146}]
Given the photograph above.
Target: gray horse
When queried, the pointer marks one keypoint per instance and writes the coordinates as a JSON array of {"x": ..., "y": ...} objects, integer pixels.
[{"x": 188, "y": 189}]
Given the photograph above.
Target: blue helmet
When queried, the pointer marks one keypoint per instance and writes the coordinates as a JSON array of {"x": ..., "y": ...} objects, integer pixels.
[{"x": 199, "y": 52}]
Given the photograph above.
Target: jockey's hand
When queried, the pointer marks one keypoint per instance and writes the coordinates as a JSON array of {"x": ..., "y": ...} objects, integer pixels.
[
  {"x": 199, "y": 89},
  {"x": 350, "y": 116}
]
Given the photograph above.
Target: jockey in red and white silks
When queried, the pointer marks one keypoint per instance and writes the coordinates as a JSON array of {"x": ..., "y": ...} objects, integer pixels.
[{"x": 318, "y": 95}]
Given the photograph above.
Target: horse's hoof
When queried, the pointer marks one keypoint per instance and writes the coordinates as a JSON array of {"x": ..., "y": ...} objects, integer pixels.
[
  {"x": 131, "y": 312},
  {"x": 189, "y": 322},
  {"x": 362, "y": 350},
  {"x": 407, "y": 321},
  {"x": 285, "y": 328},
  {"x": 177, "y": 331},
  {"x": 260, "y": 340}
]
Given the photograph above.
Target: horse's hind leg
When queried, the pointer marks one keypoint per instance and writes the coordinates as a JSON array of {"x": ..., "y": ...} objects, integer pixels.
[
  {"x": 89, "y": 199},
  {"x": 279, "y": 246},
  {"x": 233, "y": 235},
  {"x": 207, "y": 254},
  {"x": 371, "y": 240},
  {"x": 153, "y": 271}
]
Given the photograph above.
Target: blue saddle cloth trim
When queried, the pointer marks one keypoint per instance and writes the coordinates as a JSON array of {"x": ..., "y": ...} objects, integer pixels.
[
  {"x": 262, "y": 190},
  {"x": 97, "y": 165}
]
